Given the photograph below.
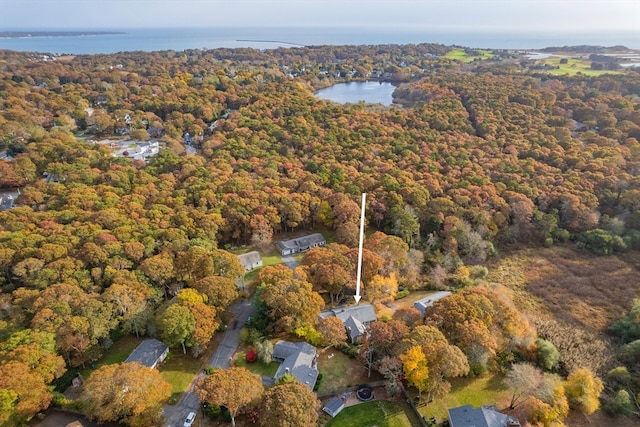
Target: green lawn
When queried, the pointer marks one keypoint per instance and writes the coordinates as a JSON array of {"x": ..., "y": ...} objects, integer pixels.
[
  {"x": 179, "y": 370},
  {"x": 574, "y": 66},
  {"x": 379, "y": 413},
  {"x": 340, "y": 371},
  {"x": 461, "y": 55},
  {"x": 269, "y": 259},
  {"x": 268, "y": 369},
  {"x": 117, "y": 353},
  {"x": 485, "y": 390}
]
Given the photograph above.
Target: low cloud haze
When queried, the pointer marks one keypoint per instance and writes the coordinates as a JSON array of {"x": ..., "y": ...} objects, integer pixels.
[{"x": 527, "y": 15}]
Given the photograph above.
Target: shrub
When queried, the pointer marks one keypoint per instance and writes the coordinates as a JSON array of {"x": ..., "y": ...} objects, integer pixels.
[
  {"x": 209, "y": 369},
  {"x": 210, "y": 410},
  {"x": 318, "y": 381},
  {"x": 402, "y": 294},
  {"x": 249, "y": 335},
  {"x": 349, "y": 350},
  {"x": 478, "y": 271},
  {"x": 548, "y": 354},
  {"x": 251, "y": 356},
  {"x": 628, "y": 326},
  {"x": 264, "y": 349},
  {"x": 601, "y": 242},
  {"x": 629, "y": 354},
  {"x": 309, "y": 334},
  {"x": 620, "y": 405}
]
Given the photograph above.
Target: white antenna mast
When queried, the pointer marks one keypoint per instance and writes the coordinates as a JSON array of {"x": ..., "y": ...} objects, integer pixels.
[{"x": 359, "y": 273}]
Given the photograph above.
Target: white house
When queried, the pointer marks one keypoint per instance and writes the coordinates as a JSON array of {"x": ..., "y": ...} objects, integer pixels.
[{"x": 250, "y": 260}]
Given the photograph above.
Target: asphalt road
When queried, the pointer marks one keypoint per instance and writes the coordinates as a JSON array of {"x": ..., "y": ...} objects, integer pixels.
[{"x": 175, "y": 414}]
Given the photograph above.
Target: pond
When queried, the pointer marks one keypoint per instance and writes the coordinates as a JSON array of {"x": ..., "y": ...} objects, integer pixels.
[{"x": 354, "y": 92}]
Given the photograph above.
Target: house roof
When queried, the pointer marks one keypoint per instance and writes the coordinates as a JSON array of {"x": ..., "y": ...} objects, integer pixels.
[
  {"x": 299, "y": 360},
  {"x": 8, "y": 199},
  {"x": 148, "y": 352},
  {"x": 286, "y": 244},
  {"x": 355, "y": 328},
  {"x": 284, "y": 349},
  {"x": 364, "y": 313},
  {"x": 486, "y": 416},
  {"x": 250, "y": 258},
  {"x": 333, "y": 406},
  {"x": 427, "y": 301},
  {"x": 301, "y": 242}
]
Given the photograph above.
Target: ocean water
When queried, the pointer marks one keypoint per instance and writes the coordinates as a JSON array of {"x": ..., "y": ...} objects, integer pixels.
[{"x": 179, "y": 39}]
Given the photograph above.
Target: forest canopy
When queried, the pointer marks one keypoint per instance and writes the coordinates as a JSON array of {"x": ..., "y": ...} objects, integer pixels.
[{"x": 471, "y": 156}]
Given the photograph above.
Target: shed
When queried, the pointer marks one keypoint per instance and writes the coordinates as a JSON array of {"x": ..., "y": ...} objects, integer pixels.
[
  {"x": 250, "y": 260},
  {"x": 334, "y": 406},
  {"x": 149, "y": 353}
]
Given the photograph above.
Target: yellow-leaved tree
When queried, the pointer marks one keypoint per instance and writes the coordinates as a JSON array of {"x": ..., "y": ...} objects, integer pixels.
[
  {"x": 127, "y": 392},
  {"x": 234, "y": 389},
  {"x": 583, "y": 390},
  {"x": 414, "y": 364}
]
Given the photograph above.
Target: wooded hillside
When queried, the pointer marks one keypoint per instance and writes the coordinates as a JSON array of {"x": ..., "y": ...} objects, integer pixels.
[{"x": 473, "y": 156}]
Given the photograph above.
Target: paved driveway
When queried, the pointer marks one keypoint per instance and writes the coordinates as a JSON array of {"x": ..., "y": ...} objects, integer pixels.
[
  {"x": 175, "y": 414},
  {"x": 290, "y": 261}
]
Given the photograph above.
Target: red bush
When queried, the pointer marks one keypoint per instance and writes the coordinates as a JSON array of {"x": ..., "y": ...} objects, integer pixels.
[{"x": 251, "y": 356}]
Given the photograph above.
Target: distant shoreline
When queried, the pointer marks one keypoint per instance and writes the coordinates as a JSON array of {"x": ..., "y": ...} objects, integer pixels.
[
  {"x": 270, "y": 41},
  {"x": 30, "y": 34}
]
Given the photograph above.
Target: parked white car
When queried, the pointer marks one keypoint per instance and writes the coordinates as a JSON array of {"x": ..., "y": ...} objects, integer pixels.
[{"x": 190, "y": 419}]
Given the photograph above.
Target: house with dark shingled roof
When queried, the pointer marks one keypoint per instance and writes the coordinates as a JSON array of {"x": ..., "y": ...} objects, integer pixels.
[
  {"x": 149, "y": 353},
  {"x": 298, "y": 359}
]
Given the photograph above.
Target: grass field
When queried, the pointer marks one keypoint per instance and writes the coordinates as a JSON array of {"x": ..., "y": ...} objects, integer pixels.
[
  {"x": 379, "y": 413},
  {"x": 485, "y": 390},
  {"x": 461, "y": 55},
  {"x": 574, "y": 66}
]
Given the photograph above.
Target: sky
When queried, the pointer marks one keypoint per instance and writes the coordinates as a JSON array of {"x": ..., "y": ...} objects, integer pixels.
[{"x": 526, "y": 15}]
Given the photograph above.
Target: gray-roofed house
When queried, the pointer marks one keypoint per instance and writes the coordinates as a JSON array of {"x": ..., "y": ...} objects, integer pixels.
[
  {"x": 298, "y": 359},
  {"x": 250, "y": 260},
  {"x": 300, "y": 244},
  {"x": 355, "y": 318},
  {"x": 485, "y": 416},
  {"x": 334, "y": 406},
  {"x": 8, "y": 199},
  {"x": 149, "y": 353},
  {"x": 424, "y": 303}
]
